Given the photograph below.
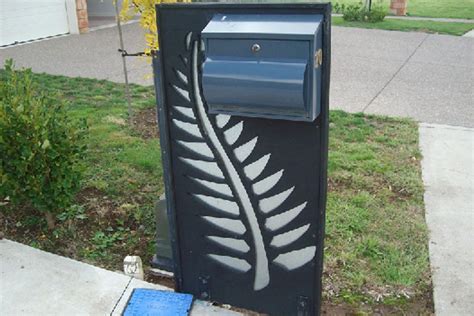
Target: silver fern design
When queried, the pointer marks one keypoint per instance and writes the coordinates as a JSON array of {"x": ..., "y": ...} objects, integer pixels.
[{"x": 228, "y": 196}]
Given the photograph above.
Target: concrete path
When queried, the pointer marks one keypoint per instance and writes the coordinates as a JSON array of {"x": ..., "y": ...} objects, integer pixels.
[
  {"x": 422, "y": 18},
  {"x": 91, "y": 55},
  {"x": 448, "y": 174},
  {"x": 425, "y": 18},
  {"x": 34, "y": 282},
  {"x": 410, "y": 74},
  {"x": 469, "y": 34}
]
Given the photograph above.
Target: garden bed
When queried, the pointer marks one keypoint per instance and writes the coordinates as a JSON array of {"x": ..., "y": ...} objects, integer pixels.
[{"x": 376, "y": 256}]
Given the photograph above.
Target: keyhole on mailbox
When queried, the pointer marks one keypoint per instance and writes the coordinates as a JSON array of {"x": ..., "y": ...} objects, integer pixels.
[{"x": 256, "y": 48}]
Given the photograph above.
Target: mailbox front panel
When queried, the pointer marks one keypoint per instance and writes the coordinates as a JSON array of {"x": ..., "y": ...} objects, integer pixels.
[
  {"x": 246, "y": 195},
  {"x": 273, "y": 80}
]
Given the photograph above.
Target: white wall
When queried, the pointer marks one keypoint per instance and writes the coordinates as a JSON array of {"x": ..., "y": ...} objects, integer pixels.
[
  {"x": 24, "y": 20},
  {"x": 72, "y": 16}
]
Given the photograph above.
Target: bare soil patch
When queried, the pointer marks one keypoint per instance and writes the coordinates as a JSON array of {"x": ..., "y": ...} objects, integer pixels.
[{"x": 145, "y": 123}]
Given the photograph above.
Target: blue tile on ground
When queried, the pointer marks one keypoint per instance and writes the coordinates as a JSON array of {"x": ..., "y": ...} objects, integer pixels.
[{"x": 148, "y": 302}]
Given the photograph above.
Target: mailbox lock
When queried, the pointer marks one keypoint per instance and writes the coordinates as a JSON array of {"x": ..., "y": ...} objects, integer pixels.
[
  {"x": 256, "y": 48},
  {"x": 318, "y": 58}
]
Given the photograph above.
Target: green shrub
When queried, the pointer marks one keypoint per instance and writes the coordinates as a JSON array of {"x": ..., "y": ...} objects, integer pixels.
[
  {"x": 360, "y": 12},
  {"x": 377, "y": 14},
  {"x": 41, "y": 148},
  {"x": 338, "y": 7}
]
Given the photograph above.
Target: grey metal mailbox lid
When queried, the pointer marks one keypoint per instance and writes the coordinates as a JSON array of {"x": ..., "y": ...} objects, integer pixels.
[{"x": 279, "y": 26}]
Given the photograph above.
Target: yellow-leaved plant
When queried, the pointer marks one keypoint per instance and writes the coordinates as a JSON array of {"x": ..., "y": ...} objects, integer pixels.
[{"x": 145, "y": 9}]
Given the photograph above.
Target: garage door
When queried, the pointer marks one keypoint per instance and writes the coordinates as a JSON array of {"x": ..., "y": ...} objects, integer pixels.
[{"x": 24, "y": 20}]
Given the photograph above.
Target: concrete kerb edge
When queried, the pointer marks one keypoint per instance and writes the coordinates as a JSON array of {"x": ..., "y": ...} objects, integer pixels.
[
  {"x": 110, "y": 25},
  {"x": 444, "y": 126}
]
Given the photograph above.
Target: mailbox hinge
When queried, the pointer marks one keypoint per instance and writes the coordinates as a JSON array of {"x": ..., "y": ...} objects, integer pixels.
[{"x": 318, "y": 58}]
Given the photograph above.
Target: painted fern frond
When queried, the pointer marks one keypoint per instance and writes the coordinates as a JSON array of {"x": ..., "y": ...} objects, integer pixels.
[
  {"x": 226, "y": 194},
  {"x": 262, "y": 275}
]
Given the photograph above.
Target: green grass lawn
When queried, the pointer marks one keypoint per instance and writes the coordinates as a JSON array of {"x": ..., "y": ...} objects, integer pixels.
[
  {"x": 425, "y": 8},
  {"x": 451, "y": 28},
  {"x": 463, "y": 9},
  {"x": 376, "y": 234},
  {"x": 376, "y": 243}
]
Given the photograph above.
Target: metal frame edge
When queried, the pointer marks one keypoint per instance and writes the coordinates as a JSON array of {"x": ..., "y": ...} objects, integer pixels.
[{"x": 167, "y": 167}]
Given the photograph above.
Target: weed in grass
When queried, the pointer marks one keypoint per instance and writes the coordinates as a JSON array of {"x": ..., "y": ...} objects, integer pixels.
[
  {"x": 103, "y": 241},
  {"x": 74, "y": 212}
]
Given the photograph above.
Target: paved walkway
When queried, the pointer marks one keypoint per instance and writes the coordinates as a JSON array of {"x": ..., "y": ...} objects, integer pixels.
[
  {"x": 410, "y": 74},
  {"x": 34, "y": 282},
  {"x": 469, "y": 34},
  {"x": 448, "y": 174},
  {"x": 423, "y": 18},
  {"x": 91, "y": 55}
]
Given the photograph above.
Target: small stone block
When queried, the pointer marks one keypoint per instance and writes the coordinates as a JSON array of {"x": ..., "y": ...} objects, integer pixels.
[
  {"x": 133, "y": 266},
  {"x": 158, "y": 303}
]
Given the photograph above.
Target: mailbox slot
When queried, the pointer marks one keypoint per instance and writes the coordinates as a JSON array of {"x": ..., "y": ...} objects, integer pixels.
[{"x": 262, "y": 66}]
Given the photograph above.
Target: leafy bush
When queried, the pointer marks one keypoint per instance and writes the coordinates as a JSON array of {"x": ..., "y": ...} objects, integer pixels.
[
  {"x": 377, "y": 14},
  {"x": 353, "y": 12},
  {"x": 338, "y": 8},
  {"x": 41, "y": 148},
  {"x": 360, "y": 12}
]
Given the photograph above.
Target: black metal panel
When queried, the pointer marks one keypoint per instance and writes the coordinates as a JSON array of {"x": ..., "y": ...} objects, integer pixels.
[{"x": 275, "y": 261}]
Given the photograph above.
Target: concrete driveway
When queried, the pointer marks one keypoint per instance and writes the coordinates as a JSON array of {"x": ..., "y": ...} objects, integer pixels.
[{"x": 426, "y": 77}]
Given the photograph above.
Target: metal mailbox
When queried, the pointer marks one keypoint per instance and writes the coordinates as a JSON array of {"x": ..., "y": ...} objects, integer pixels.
[
  {"x": 263, "y": 65},
  {"x": 243, "y": 94}
]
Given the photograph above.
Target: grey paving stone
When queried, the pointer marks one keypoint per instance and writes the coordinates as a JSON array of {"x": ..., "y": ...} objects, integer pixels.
[
  {"x": 429, "y": 92},
  {"x": 446, "y": 50},
  {"x": 356, "y": 81},
  {"x": 375, "y": 45},
  {"x": 92, "y": 55}
]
